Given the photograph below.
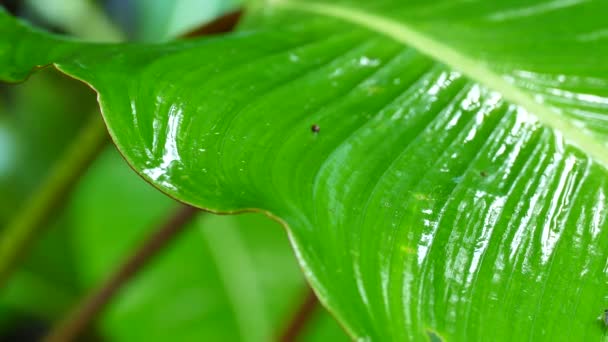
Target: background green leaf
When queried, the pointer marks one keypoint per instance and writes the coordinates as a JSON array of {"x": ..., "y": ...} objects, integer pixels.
[
  {"x": 159, "y": 20},
  {"x": 82, "y": 18},
  {"x": 226, "y": 278},
  {"x": 457, "y": 186}
]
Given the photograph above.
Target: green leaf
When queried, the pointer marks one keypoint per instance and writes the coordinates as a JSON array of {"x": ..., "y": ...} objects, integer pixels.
[
  {"x": 34, "y": 113},
  {"x": 225, "y": 279},
  {"x": 323, "y": 327},
  {"x": 456, "y": 187},
  {"x": 29, "y": 143},
  {"x": 193, "y": 291},
  {"x": 97, "y": 233}
]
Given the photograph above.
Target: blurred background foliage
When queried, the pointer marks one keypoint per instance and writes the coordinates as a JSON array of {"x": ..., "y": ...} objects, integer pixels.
[{"x": 227, "y": 278}]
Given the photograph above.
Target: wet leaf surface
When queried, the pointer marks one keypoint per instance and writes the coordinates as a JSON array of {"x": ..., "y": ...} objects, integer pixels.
[{"x": 456, "y": 185}]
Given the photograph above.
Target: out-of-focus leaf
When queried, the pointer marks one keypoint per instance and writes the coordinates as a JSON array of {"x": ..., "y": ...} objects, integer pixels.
[
  {"x": 194, "y": 292},
  {"x": 81, "y": 18},
  {"x": 160, "y": 20},
  {"x": 225, "y": 279},
  {"x": 323, "y": 327},
  {"x": 453, "y": 185},
  {"x": 39, "y": 119}
]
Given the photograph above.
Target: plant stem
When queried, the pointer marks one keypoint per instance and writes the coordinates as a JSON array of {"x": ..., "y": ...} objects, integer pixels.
[
  {"x": 298, "y": 323},
  {"x": 85, "y": 312},
  {"x": 223, "y": 24},
  {"x": 21, "y": 231}
]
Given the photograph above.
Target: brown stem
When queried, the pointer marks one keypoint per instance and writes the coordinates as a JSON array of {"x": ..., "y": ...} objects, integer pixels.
[
  {"x": 298, "y": 323},
  {"x": 81, "y": 317},
  {"x": 223, "y": 24}
]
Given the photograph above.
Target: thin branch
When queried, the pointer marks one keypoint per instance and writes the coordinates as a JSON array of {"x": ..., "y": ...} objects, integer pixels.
[
  {"x": 300, "y": 320},
  {"x": 81, "y": 317},
  {"x": 18, "y": 236}
]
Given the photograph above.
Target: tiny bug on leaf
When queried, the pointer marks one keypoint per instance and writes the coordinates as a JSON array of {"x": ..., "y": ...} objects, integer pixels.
[{"x": 315, "y": 128}]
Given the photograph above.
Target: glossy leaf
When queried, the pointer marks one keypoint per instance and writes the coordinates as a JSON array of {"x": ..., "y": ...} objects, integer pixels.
[
  {"x": 441, "y": 166},
  {"x": 102, "y": 225}
]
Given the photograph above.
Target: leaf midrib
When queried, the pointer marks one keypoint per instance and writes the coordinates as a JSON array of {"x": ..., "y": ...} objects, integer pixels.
[{"x": 472, "y": 68}]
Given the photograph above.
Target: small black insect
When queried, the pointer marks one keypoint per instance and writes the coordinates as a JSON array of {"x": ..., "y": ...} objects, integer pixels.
[
  {"x": 483, "y": 174},
  {"x": 315, "y": 128}
]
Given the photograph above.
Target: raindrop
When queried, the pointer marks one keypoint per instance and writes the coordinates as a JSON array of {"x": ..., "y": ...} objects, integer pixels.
[
  {"x": 368, "y": 62},
  {"x": 294, "y": 58}
]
